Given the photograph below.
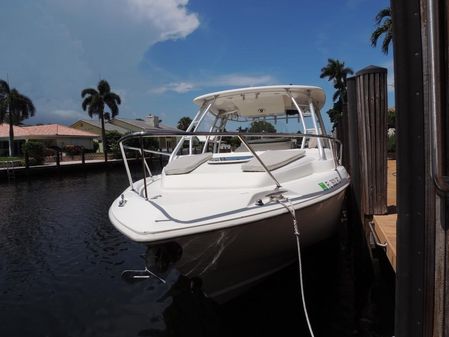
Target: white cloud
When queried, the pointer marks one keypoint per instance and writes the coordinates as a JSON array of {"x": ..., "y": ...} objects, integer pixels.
[
  {"x": 169, "y": 16},
  {"x": 69, "y": 114},
  {"x": 181, "y": 87},
  {"x": 243, "y": 80},
  {"x": 229, "y": 80},
  {"x": 63, "y": 46}
]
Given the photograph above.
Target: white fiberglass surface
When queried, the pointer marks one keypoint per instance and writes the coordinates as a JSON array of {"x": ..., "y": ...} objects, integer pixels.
[{"x": 174, "y": 208}]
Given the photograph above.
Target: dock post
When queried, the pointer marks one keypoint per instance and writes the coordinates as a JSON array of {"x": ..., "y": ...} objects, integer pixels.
[
  {"x": 57, "y": 158},
  {"x": 83, "y": 157},
  {"x": 371, "y": 89},
  {"x": 27, "y": 160}
]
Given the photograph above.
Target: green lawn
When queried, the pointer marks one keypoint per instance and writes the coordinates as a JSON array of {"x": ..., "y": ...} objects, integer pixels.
[{"x": 10, "y": 158}]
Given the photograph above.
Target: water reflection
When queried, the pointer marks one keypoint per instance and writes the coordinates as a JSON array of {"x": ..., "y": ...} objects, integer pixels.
[
  {"x": 61, "y": 261},
  {"x": 60, "y": 274}
]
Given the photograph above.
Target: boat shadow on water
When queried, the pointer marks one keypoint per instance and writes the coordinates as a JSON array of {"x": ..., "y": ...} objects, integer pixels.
[{"x": 338, "y": 297}]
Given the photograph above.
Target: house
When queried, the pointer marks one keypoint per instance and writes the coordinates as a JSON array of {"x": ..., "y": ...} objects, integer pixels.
[
  {"x": 149, "y": 123},
  {"x": 49, "y": 134},
  {"x": 94, "y": 126}
]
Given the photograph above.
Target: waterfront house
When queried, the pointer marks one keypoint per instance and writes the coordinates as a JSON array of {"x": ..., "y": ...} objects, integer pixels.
[
  {"x": 50, "y": 134},
  {"x": 123, "y": 126}
]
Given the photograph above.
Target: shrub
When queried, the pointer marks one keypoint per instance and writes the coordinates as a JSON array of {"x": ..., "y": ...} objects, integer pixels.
[
  {"x": 96, "y": 146},
  {"x": 112, "y": 138},
  {"x": 391, "y": 141},
  {"x": 35, "y": 151},
  {"x": 72, "y": 150},
  {"x": 234, "y": 142}
]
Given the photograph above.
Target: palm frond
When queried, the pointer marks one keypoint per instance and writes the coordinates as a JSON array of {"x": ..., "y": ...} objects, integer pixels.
[
  {"x": 103, "y": 87},
  {"x": 96, "y": 106},
  {"x": 20, "y": 106},
  {"x": 114, "y": 108},
  {"x": 86, "y": 102},
  {"x": 3, "y": 110},
  {"x": 336, "y": 96},
  {"x": 383, "y": 13},
  {"x": 113, "y": 96},
  {"x": 384, "y": 28},
  {"x": 88, "y": 91},
  {"x": 4, "y": 87},
  {"x": 387, "y": 41}
]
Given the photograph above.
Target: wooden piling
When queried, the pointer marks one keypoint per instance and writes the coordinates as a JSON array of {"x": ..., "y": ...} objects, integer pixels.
[
  {"x": 366, "y": 122},
  {"x": 371, "y": 89}
]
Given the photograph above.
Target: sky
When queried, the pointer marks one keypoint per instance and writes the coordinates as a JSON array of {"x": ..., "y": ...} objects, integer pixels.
[{"x": 160, "y": 54}]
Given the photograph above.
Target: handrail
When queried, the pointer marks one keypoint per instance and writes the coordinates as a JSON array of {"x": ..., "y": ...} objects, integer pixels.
[
  {"x": 241, "y": 135},
  {"x": 143, "y": 168},
  {"x": 180, "y": 133},
  {"x": 260, "y": 161},
  {"x": 375, "y": 237},
  {"x": 437, "y": 158},
  {"x": 229, "y": 134},
  {"x": 147, "y": 151}
]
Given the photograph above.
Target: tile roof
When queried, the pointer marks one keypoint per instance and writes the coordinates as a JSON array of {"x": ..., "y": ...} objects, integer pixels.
[
  {"x": 107, "y": 126},
  {"x": 144, "y": 126},
  {"x": 18, "y": 131},
  {"x": 50, "y": 130}
]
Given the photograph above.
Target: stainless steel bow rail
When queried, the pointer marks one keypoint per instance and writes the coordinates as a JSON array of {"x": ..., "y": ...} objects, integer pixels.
[{"x": 333, "y": 143}]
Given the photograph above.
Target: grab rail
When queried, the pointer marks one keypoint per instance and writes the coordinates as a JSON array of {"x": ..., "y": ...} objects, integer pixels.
[
  {"x": 441, "y": 181},
  {"x": 239, "y": 135}
]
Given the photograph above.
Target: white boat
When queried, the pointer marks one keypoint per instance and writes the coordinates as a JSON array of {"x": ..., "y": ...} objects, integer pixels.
[{"x": 224, "y": 217}]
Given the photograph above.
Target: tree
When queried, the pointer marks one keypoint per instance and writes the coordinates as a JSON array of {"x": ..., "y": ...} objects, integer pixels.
[
  {"x": 391, "y": 118},
  {"x": 112, "y": 139},
  {"x": 95, "y": 102},
  {"x": 337, "y": 72},
  {"x": 261, "y": 126},
  {"x": 183, "y": 123},
  {"x": 35, "y": 151},
  {"x": 14, "y": 108},
  {"x": 384, "y": 28}
]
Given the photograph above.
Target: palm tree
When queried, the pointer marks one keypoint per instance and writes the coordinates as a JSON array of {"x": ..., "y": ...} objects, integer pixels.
[
  {"x": 384, "y": 28},
  {"x": 14, "y": 108},
  {"x": 183, "y": 123},
  {"x": 94, "y": 103},
  {"x": 337, "y": 72}
]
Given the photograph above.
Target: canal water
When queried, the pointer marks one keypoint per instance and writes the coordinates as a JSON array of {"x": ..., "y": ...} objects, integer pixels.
[{"x": 60, "y": 275}]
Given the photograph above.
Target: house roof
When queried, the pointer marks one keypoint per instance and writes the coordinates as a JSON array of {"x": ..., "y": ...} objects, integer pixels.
[
  {"x": 144, "y": 126},
  {"x": 43, "y": 131},
  {"x": 107, "y": 126}
]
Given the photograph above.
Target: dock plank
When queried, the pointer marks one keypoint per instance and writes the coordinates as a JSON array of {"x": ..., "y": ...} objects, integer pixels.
[{"x": 385, "y": 225}]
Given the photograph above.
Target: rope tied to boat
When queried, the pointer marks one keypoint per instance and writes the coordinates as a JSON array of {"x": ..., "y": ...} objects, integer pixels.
[{"x": 286, "y": 202}]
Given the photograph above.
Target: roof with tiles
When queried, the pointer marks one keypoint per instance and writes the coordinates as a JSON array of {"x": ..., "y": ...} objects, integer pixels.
[
  {"x": 107, "y": 126},
  {"x": 50, "y": 130},
  {"x": 144, "y": 125}
]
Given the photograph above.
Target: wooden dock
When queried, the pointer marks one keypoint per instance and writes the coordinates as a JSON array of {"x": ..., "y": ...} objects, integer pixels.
[{"x": 385, "y": 225}]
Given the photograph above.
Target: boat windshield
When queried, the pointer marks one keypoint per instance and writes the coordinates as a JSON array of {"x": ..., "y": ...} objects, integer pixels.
[{"x": 229, "y": 109}]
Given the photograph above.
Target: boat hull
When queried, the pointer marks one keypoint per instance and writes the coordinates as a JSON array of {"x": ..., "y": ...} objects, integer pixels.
[{"x": 230, "y": 260}]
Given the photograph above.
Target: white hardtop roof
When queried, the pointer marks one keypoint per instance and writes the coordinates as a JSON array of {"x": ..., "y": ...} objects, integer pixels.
[{"x": 266, "y": 100}]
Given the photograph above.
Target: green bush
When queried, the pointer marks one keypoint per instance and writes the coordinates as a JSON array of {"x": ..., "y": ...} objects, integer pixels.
[
  {"x": 96, "y": 146},
  {"x": 391, "y": 143},
  {"x": 112, "y": 138},
  {"x": 234, "y": 142},
  {"x": 35, "y": 152},
  {"x": 72, "y": 150}
]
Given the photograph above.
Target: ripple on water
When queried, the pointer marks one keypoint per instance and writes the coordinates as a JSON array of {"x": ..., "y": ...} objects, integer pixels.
[{"x": 61, "y": 261}]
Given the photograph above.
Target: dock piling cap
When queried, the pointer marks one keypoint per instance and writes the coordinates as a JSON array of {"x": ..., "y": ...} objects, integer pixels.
[{"x": 371, "y": 70}]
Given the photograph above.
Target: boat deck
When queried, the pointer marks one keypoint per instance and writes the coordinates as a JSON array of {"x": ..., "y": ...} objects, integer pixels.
[{"x": 385, "y": 225}]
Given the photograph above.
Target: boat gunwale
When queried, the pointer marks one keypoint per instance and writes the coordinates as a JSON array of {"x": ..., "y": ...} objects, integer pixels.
[{"x": 253, "y": 217}]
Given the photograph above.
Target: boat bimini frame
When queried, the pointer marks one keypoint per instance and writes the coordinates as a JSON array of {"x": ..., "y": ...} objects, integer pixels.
[{"x": 216, "y": 109}]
